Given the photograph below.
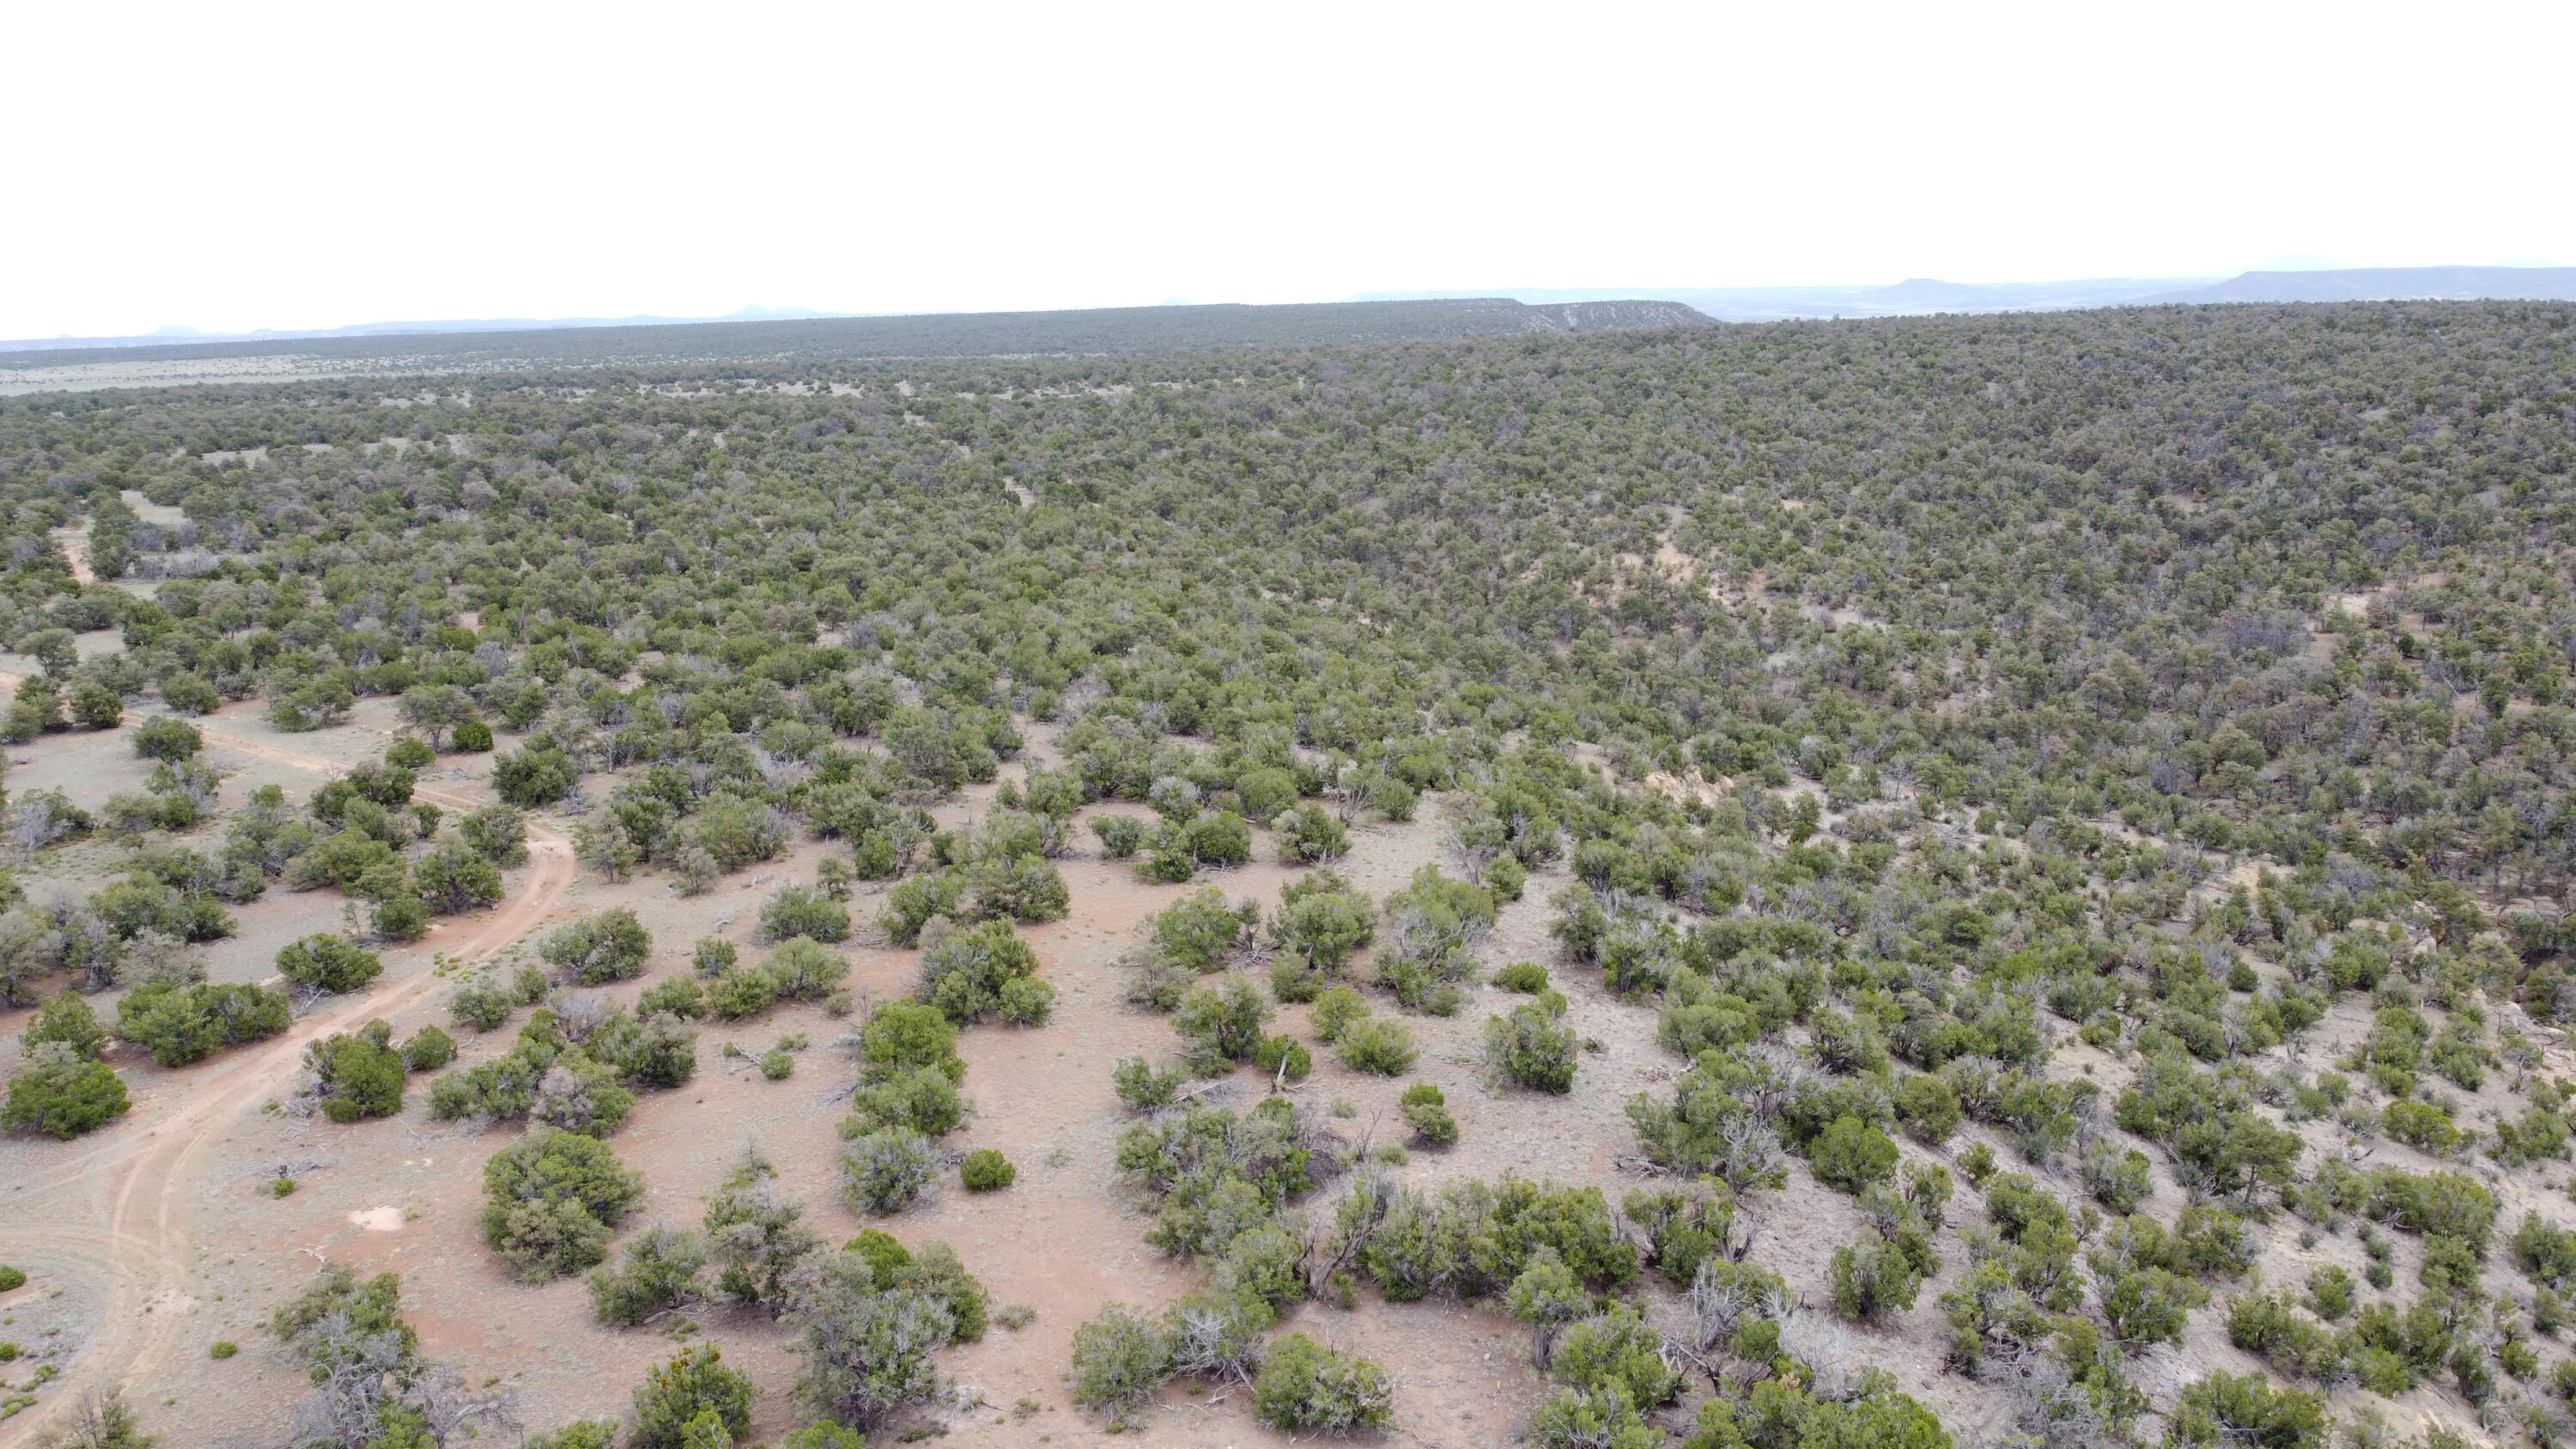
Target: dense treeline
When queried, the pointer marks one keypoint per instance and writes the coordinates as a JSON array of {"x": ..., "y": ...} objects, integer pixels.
[{"x": 2086, "y": 565}]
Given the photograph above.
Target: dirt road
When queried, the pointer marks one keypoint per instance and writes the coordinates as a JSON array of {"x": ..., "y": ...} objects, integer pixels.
[{"x": 119, "y": 1215}]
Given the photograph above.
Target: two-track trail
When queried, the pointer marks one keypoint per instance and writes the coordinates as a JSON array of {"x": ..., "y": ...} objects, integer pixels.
[{"x": 119, "y": 1214}]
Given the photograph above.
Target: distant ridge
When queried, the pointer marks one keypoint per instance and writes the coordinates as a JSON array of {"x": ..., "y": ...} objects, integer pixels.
[
  {"x": 2388, "y": 284},
  {"x": 1112, "y": 330},
  {"x": 1919, "y": 296},
  {"x": 1913, "y": 297}
]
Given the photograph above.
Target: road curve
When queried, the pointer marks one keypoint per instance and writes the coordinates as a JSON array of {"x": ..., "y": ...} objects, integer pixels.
[{"x": 145, "y": 1170}]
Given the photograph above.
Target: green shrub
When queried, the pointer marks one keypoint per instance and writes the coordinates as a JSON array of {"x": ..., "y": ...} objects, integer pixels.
[
  {"x": 1143, "y": 1088},
  {"x": 2120, "y": 1179},
  {"x": 533, "y": 777},
  {"x": 936, "y": 1273},
  {"x": 915, "y": 1099},
  {"x": 755, "y": 1236},
  {"x": 183, "y": 1024},
  {"x": 1120, "y": 1360},
  {"x": 802, "y": 970},
  {"x": 485, "y": 1003},
  {"x": 680, "y": 996},
  {"x": 357, "y": 1076},
  {"x": 1304, "y": 1385},
  {"x": 452, "y": 878},
  {"x": 887, "y": 1257},
  {"x": 470, "y": 737},
  {"x": 1532, "y": 1046},
  {"x": 742, "y": 991},
  {"x": 595, "y": 950},
  {"x": 713, "y": 956},
  {"x": 495, "y": 837},
  {"x": 2330, "y": 1292},
  {"x": 1334, "y": 1010},
  {"x": 900, "y": 1035},
  {"x": 1027, "y": 1001},
  {"x": 67, "y": 1019},
  {"x": 659, "y": 1272},
  {"x": 1221, "y": 838},
  {"x": 12, "y": 1278},
  {"x": 1526, "y": 977},
  {"x": 1119, "y": 835},
  {"x": 222, "y": 1348},
  {"x": 1426, "y": 1110},
  {"x": 795, "y": 910},
  {"x": 2425, "y": 1127},
  {"x": 1377, "y": 1045},
  {"x": 402, "y": 916},
  {"x": 1321, "y": 921},
  {"x": 2226, "y": 1408},
  {"x": 1221, "y": 1024},
  {"x": 674, "y": 1398},
  {"x": 1198, "y": 931},
  {"x": 986, "y": 1170},
  {"x": 1852, "y": 1155},
  {"x": 919, "y": 901},
  {"x": 1873, "y": 1277},
  {"x": 1618, "y": 1349},
  {"x": 1284, "y": 1058},
  {"x": 551, "y": 1198},
  {"x": 1929, "y": 1108},
  {"x": 1023, "y": 888},
  {"x": 95, "y": 706},
  {"x": 1309, "y": 835},
  {"x": 967, "y": 973},
  {"x": 168, "y": 740},
  {"x": 2546, "y": 1253},
  {"x": 190, "y": 694},
  {"x": 328, "y": 963}
]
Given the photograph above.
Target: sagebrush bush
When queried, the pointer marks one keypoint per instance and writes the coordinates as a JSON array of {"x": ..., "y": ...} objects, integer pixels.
[{"x": 888, "y": 1170}]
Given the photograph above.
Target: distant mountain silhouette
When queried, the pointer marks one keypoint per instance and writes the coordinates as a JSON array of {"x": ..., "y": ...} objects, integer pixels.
[
  {"x": 1917, "y": 296},
  {"x": 2386, "y": 284}
]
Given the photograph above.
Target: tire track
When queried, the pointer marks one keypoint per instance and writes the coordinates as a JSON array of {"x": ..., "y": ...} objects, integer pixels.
[{"x": 139, "y": 1248}]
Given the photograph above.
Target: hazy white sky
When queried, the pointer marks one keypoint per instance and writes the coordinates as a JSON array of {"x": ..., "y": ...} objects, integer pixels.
[{"x": 267, "y": 165}]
